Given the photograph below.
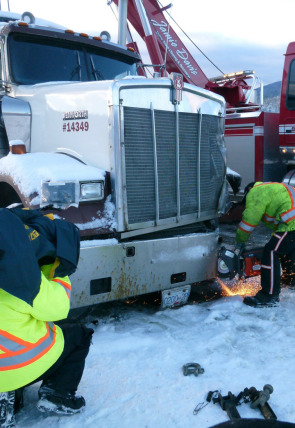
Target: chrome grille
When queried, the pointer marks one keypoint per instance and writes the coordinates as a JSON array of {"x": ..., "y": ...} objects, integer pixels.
[{"x": 140, "y": 165}]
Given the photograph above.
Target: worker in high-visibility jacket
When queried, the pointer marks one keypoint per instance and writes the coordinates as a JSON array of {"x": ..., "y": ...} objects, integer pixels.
[
  {"x": 274, "y": 205},
  {"x": 32, "y": 347}
]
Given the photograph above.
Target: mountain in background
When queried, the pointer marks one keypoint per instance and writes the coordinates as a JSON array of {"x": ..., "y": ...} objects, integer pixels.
[
  {"x": 272, "y": 90},
  {"x": 271, "y": 95}
]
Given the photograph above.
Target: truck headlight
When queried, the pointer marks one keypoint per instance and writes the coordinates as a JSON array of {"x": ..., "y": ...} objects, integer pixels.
[
  {"x": 59, "y": 194},
  {"x": 91, "y": 191}
]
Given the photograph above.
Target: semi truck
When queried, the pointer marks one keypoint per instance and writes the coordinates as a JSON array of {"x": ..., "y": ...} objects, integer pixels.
[{"x": 137, "y": 163}]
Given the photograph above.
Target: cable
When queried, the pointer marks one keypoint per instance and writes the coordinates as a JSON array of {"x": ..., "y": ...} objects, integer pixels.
[
  {"x": 166, "y": 49},
  {"x": 203, "y": 53},
  {"x": 109, "y": 3}
]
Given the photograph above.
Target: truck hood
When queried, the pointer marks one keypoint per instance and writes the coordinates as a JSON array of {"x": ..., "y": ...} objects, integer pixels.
[{"x": 81, "y": 118}]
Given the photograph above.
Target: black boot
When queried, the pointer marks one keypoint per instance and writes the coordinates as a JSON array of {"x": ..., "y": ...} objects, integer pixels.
[
  {"x": 7, "y": 419},
  {"x": 262, "y": 299},
  {"x": 62, "y": 403}
]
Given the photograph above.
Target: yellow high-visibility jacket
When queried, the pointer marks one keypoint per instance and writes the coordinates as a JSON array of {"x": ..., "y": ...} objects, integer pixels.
[
  {"x": 30, "y": 343},
  {"x": 271, "y": 203}
]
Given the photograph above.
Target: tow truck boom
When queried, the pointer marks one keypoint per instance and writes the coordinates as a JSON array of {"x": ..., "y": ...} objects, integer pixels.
[{"x": 169, "y": 54}]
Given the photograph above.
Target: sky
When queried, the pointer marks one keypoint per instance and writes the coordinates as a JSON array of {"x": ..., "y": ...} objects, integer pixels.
[{"x": 235, "y": 36}]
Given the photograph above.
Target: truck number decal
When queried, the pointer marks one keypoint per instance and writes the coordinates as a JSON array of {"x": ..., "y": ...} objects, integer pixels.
[{"x": 75, "y": 126}]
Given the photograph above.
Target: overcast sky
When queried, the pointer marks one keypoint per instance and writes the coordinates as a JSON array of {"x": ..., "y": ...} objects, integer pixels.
[{"x": 234, "y": 35}]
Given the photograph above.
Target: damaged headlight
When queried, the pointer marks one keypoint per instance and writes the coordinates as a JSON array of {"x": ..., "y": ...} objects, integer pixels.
[
  {"x": 60, "y": 194},
  {"x": 91, "y": 191},
  {"x": 64, "y": 194}
]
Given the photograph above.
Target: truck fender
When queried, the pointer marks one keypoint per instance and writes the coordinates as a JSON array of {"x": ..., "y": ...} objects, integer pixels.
[{"x": 21, "y": 175}]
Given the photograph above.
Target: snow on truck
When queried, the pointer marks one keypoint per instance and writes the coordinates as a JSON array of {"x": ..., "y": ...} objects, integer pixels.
[{"x": 137, "y": 164}]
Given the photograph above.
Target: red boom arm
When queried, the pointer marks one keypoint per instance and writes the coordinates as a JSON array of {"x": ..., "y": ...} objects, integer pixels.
[{"x": 163, "y": 37}]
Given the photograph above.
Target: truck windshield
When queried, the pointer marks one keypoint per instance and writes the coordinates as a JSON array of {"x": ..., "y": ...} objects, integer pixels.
[{"x": 38, "y": 60}]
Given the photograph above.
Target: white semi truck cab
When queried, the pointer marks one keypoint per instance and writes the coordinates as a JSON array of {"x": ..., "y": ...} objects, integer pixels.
[{"x": 137, "y": 164}]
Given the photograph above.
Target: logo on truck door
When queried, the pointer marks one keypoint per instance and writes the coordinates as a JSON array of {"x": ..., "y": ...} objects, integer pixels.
[{"x": 74, "y": 121}]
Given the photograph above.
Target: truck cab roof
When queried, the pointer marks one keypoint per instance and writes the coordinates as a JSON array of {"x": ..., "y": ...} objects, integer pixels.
[
  {"x": 6, "y": 17},
  {"x": 14, "y": 22},
  {"x": 40, "y": 54}
]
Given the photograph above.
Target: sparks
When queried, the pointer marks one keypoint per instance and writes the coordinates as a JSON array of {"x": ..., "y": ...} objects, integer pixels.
[{"x": 240, "y": 287}]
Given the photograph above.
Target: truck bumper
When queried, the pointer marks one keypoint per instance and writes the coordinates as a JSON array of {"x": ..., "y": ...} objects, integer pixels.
[{"x": 121, "y": 270}]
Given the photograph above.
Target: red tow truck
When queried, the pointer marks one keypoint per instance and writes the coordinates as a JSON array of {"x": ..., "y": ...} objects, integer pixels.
[{"x": 287, "y": 110}]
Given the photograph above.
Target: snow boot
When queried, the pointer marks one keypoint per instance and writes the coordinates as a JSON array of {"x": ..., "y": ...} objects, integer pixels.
[
  {"x": 61, "y": 403},
  {"x": 262, "y": 300},
  {"x": 7, "y": 419}
]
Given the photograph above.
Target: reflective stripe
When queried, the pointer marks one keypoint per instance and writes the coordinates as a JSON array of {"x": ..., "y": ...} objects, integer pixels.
[
  {"x": 8, "y": 344},
  {"x": 65, "y": 285},
  {"x": 289, "y": 215},
  {"x": 22, "y": 355},
  {"x": 246, "y": 227},
  {"x": 270, "y": 219},
  {"x": 271, "y": 273},
  {"x": 280, "y": 239}
]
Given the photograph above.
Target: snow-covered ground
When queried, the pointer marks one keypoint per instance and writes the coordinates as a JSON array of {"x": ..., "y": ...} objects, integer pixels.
[{"x": 133, "y": 376}]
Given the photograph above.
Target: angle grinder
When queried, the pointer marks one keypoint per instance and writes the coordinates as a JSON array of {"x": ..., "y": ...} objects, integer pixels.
[{"x": 244, "y": 263}]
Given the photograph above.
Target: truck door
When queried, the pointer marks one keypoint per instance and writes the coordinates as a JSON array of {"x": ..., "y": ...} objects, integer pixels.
[{"x": 287, "y": 107}]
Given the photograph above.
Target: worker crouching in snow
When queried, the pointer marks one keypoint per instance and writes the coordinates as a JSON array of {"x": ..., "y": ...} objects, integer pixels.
[
  {"x": 36, "y": 256},
  {"x": 274, "y": 205}
]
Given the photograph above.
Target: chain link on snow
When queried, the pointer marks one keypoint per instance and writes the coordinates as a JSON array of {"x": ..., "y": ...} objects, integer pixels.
[{"x": 210, "y": 396}]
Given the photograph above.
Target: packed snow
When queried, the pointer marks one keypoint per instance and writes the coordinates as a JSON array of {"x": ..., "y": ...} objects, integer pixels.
[
  {"x": 133, "y": 375},
  {"x": 106, "y": 220}
]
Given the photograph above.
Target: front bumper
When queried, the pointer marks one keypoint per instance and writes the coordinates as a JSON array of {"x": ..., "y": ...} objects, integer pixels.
[{"x": 119, "y": 270}]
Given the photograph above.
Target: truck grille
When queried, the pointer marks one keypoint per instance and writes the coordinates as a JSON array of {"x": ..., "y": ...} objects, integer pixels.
[{"x": 151, "y": 158}]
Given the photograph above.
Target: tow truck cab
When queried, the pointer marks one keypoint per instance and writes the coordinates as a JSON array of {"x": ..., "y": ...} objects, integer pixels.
[{"x": 287, "y": 109}]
